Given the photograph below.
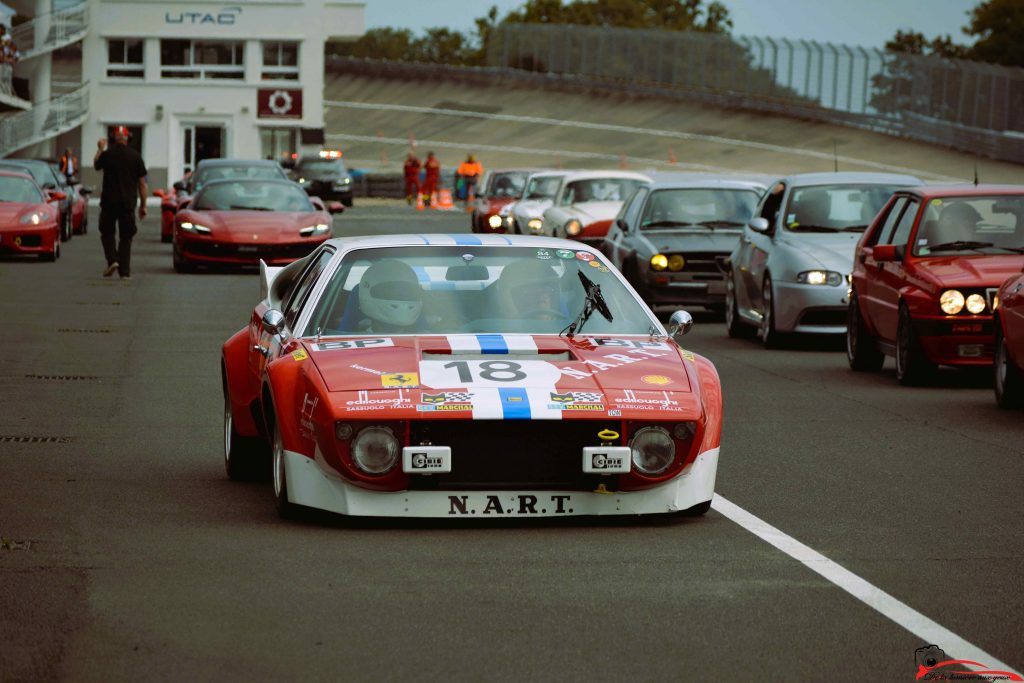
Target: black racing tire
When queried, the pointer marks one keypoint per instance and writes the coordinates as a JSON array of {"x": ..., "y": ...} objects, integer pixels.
[
  {"x": 65, "y": 226},
  {"x": 766, "y": 332},
  {"x": 1009, "y": 380},
  {"x": 912, "y": 368},
  {"x": 285, "y": 508},
  {"x": 181, "y": 265},
  {"x": 697, "y": 510},
  {"x": 734, "y": 325},
  {"x": 861, "y": 348},
  {"x": 52, "y": 256},
  {"x": 166, "y": 239},
  {"x": 245, "y": 458},
  {"x": 347, "y": 202}
]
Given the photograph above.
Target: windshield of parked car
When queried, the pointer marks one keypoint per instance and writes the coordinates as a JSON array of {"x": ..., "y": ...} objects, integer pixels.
[
  {"x": 41, "y": 174},
  {"x": 225, "y": 172},
  {"x": 22, "y": 190},
  {"x": 599, "y": 190},
  {"x": 455, "y": 289},
  {"x": 252, "y": 195},
  {"x": 331, "y": 167},
  {"x": 506, "y": 184},
  {"x": 989, "y": 225},
  {"x": 542, "y": 187},
  {"x": 710, "y": 208},
  {"x": 835, "y": 208}
]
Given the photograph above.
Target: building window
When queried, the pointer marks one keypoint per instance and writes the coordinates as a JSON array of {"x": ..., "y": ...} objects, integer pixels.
[
  {"x": 202, "y": 59},
  {"x": 279, "y": 144},
  {"x": 280, "y": 61},
  {"x": 124, "y": 59}
]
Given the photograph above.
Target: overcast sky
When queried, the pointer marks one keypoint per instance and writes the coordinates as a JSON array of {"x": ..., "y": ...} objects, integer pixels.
[{"x": 854, "y": 22}]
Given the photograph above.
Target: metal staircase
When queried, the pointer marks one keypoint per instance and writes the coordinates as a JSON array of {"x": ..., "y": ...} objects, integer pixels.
[
  {"x": 44, "y": 121},
  {"x": 49, "y": 32}
]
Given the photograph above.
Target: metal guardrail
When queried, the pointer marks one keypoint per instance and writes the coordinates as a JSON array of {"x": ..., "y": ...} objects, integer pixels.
[
  {"x": 45, "y": 120},
  {"x": 47, "y": 32}
]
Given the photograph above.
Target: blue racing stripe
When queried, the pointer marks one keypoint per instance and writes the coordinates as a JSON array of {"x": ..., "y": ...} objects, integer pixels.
[
  {"x": 515, "y": 404},
  {"x": 467, "y": 240},
  {"x": 492, "y": 343}
]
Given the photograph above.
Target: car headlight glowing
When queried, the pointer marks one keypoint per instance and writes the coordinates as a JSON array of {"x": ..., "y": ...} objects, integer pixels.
[
  {"x": 659, "y": 262},
  {"x": 820, "y": 277},
  {"x": 302, "y": 181},
  {"x": 35, "y": 218},
  {"x": 653, "y": 450},
  {"x": 375, "y": 450},
  {"x": 573, "y": 227},
  {"x": 975, "y": 304},
  {"x": 951, "y": 302},
  {"x": 495, "y": 221},
  {"x": 535, "y": 225},
  {"x": 676, "y": 262},
  {"x": 195, "y": 228},
  {"x": 318, "y": 229}
]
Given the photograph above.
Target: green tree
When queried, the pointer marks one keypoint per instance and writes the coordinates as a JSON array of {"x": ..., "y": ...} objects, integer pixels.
[{"x": 998, "y": 26}]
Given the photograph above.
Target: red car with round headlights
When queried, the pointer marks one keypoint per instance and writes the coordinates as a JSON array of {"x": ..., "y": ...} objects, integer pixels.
[
  {"x": 502, "y": 187},
  {"x": 1009, "y": 344},
  {"x": 926, "y": 274},
  {"x": 468, "y": 376},
  {"x": 243, "y": 222},
  {"x": 29, "y": 221}
]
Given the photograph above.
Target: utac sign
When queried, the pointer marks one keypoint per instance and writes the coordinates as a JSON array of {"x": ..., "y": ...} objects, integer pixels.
[
  {"x": 225, "y": 16},
  {"x": 278, "y": 103}
]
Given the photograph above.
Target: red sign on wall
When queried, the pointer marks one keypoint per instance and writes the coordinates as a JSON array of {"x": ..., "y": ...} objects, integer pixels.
[{"x": 278, "y": 103}]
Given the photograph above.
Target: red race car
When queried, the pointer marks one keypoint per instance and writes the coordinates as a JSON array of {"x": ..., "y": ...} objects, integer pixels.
[
  {"x": 1009, "y": 345},
  {"x": 30, "y": 223},
  {"x": 244, "y": 222},
  {"x": 468, "y": 376},
  {"x": 501, "y": 189},
  {"x": 926, "y": 274},
  {"x": 169, "y": 200}
]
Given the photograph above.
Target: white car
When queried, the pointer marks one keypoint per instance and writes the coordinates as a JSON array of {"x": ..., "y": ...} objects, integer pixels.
[
  {"x": 525, "y": 215},
  {"x": 791, "y": 269},
  {"x": 587, "y": 203}
]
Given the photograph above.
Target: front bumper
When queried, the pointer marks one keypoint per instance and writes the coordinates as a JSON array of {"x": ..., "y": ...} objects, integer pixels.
[
  {"x": 328, "y": 191},
  {"x": 811, "y": 309},
  {"x": 209, "y": 252},
  {"x": 32, "y": 240},
  {"x": 957, "y": 341},
  {"x": 313, "y": 484},
  {"x": 666, "y": 288}
]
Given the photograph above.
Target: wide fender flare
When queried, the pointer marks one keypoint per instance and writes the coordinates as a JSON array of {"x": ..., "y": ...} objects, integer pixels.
[
  {"x": 919, "y": 301},
  {"x": 711, "y": 396},
  {"x": 235, "y": 375},
  {"x": 295, "y": 395}
]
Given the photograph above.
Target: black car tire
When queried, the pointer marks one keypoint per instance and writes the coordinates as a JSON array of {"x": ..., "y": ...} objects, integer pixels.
[
  {"x": 181, "y": 265},
  {"x": 697, "y": 510},
  {"x": 1009, "y": 381},
  {"x": 861, "y": 348},
  {"x": 285, "y": 508},
  {"x": 53, "y": 255},
  {"x": 245, "y": 458},
  {"x": 65, "y": 226},
  {"x": 769, "y": 336},
  {"x": 912, "y": 368},
  {"x": 734, "y": 326},
  {"x": 166, "y": 239}
]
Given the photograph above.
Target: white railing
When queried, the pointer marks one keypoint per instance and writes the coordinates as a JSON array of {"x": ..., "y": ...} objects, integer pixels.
[
  {"x": 7, "y": 80},
  {"x": 48, "y": 32},
  {"x": 44, "y": 121}
]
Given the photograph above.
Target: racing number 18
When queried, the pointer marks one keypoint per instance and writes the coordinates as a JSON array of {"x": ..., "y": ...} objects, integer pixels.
[{"x": 492, "y": 371}]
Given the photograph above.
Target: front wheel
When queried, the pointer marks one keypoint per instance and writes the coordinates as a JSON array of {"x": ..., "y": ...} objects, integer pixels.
[
  {"x": 861, "y": 352},
  {"x": 65, "y": 227},
  {"x": 51, "y": 255},
  {"x": 244, "y": 457},
  {"x": 733, "y": 325},
  {"x": 1009, "y": 381},
  {"x": 285, "y": 507},
  {"x": 770, "y": 337},
  {"x": 911, "y": 365},
  {"x": 697, "y": 510},
  {"x": 180, "y": 264}
]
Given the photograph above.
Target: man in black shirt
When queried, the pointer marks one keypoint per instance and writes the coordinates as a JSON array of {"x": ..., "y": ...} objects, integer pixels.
[{"x": 124, "y": 182}]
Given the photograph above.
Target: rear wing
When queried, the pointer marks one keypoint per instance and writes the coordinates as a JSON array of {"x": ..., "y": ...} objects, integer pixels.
[{"x": 267, "y": 277}]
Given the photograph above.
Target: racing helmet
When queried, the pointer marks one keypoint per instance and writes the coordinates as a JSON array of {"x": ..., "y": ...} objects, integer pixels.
[
  {"x": 529, "y": 285},
  {"x": 390, "y": 294}
]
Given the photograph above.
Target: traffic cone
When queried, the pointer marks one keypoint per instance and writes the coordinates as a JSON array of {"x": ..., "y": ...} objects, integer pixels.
[
  {"x": 444, "y": 200},
  {"x": 419, "y": 202},
  {"x": 433, "y": 200}
]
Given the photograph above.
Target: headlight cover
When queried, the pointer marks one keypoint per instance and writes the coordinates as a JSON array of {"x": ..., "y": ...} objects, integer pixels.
[
  {"x": 951, "y": 301},
  {"x": 375, "y": 450},
  {"x": 35, "y": 218},
  {"x": 573, "y": 227},
  {"x": 318, "y": 229},
  {"x": 535, "y": 225},
  {"x": 820, "y": 277},
  {"x": 653, "y": 450},
  {"x": 976, "y": 304},
  {"x": 676, "y": 263},
  {"x": 195, "y": 228},
  {"x": 659, "y": 262},
  {"x": 495, "y": 221}
]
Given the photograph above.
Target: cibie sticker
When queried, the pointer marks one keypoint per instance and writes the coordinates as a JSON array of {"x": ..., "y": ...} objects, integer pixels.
[
  {"x": 399, "y": 379},
  {"x": 565, "y": 254},
  {"x": 300, "y": 355},
  {"x": 488, "y": 373},
  {"x": 543, "y": 254},
  {"x": 655, "y": 379},
  {"x": 349, "y": 344},
  {"x": 688, "y": 355},
  {"x": 584, "y": 256},
  {"x": 595, "y": 264}
]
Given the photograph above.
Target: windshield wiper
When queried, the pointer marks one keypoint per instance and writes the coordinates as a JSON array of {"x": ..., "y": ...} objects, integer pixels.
[
  {"x": 234, "y": 207},
  {"x": 855, "y": 228},
  {"x": 959, "y": 245},
  {"x": 801, "y": 227},
  {"x": 667, "y": 224},
  {"x": 721, "y": 224},
  {"x": 594, "y": 300}
]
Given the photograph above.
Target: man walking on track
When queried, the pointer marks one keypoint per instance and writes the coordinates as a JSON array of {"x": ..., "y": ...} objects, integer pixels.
[
  {"x": 412, "y": 177},
  {"x": 124, "y": 183},
  {"x": 433, "y": 169}
]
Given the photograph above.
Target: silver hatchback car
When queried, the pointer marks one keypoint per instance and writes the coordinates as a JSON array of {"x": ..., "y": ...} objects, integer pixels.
[{"x": 790, "y": 270}]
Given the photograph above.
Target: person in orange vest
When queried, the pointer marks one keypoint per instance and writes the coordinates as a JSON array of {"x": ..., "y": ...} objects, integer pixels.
[
  {"x": 69, "y": 165},
  {"x": 433, "y": 174},
  {"x": 471, "y": 172},
  {"x": 412, "y": 177}
]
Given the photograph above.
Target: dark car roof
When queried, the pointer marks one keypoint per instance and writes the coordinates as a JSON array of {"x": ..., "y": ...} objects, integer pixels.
[
  {"x": 276, "y": 181},
  {"x": 928, "y": 191},
  {"x": 237, "y": 162}
]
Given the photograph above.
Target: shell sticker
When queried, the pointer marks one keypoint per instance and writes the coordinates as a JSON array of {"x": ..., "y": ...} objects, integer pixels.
[
  {"x": 660, "y": 380},
  {"x": 300, "y": 355}
]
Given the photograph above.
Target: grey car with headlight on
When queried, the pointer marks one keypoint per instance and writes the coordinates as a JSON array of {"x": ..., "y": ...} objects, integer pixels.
[
  {"x": 790, "y": 271},
  {"x": 525, "y": 216}
]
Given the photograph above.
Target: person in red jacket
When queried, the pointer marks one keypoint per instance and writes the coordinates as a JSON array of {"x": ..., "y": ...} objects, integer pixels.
[
  {"x": 412, "y": 177},
  {"x": 433, "y": 174}
]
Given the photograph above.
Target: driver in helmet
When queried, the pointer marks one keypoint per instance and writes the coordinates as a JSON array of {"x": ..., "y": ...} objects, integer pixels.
[
  {"x": 530, "y": 289},
  {"x": 390, "y": 297}
]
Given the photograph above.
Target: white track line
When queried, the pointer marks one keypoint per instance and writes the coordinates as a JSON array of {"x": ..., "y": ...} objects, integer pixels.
[
  {"x": 904, "y": 615},
  {"x": 676, "y": 135}
]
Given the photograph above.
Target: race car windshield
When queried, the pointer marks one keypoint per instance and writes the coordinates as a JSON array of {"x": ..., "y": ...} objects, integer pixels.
[
  {"x": 708, "y": 208},
  {"x": 39, "y": 174},
  {"x": 322, "y": 167},
  {"x": 599, "y": 190},
  {"x": 835, "y": 208},
  {"x": 543, "y": 187},
  {"x": 252, "y": 195},
  {"x": 966, "y": 225},
  {"x": 241, "y": 172},
  {"x": 19, "y": 190},
  {"x": 506, "y": 185},
  {"x": 465, "y": 289}
]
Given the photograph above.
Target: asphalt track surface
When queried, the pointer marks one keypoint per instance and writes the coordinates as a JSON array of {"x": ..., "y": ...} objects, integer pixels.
[{"x": 128, "y": 555}]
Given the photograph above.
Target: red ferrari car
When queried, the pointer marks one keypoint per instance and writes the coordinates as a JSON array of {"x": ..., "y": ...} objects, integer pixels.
[
  {"x": 243, "y": 222},
  {"x": 502, "y": 188},
  {"x": 80, "y": 209},
  {"x": 462, "y": 376},
  {"x": 29, "y": 221},
  {"x": 1009, "y": 345},
  {"x": 926, "y": 274}
]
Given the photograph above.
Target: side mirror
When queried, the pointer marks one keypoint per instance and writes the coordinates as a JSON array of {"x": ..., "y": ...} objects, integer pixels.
[
  {"x": 85, "y": 190},
  {"x": 759, "y": 224},
  {"x": 49, "y": 186},
  {"x": 887, "y": 253},
  {"x": 317, "y": 203},
  {"x": 179, "y": 186},
  {"x": 335, "y": 207},
  {"x": 56, "y": 196},
  {"x": 273, "y": 321},
  {"x": 679, "y": 324},
  {"x": 623, "y": 225},
  {"x": 183, "y": 204}
]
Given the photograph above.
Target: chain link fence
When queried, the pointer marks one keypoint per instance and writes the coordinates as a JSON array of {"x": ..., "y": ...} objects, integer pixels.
[{"x": 971, "y": 106}]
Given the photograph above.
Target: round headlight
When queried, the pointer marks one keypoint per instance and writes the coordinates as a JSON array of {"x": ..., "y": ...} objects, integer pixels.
[
  {"x": 494, "y": 221},
  {"x": 951, "y": 302},
  {"x": 375, "y": 450},
  {"x": 975, "y": 304},
  {"x": 573, "y": 227},
  {"x": 535, "y": 224},
  {"x": 676, "y": 262},
  {"x": 659, "y": 262},
  {"x": 653, "y": 450}
]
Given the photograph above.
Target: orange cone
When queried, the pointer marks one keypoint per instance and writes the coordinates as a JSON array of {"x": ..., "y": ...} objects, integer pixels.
[
  {"x": 433, "y": 200},
  {"x": 419, "y": 202},
  {"x": 444, "y": 200}
]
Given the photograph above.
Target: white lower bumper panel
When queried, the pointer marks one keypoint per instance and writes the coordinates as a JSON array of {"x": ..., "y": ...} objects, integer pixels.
[{"x": 310, "y": 485}]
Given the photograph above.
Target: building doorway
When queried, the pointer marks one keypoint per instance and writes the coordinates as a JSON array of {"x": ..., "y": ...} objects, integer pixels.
[{"x": 201, "y": 142}]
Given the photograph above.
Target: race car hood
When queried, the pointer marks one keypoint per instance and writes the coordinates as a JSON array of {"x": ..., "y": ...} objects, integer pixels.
[
  {"x": 831, "y": 251},
  {"x": 11, "y": 213},
  {"x": 970, "y": 271},
  {"x": 591, "y": 212},
  {"x": 502, "y": 376},
  {"x": 531, "y": 208},
  {"x": 495, "y": 204},
  {"x": 694, "y": 239},
  {"x": 242, "y": 226}
]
